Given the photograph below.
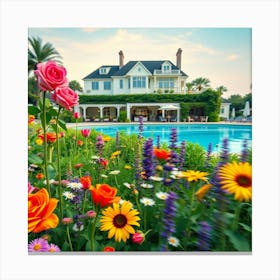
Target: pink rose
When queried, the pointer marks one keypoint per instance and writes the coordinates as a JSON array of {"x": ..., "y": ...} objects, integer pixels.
[
  {"x": 76, "y": 115},
  {"x": 65, "y": 97},
  {"x": 50, "y": 76},
  {"x": 138, "y": 237}
]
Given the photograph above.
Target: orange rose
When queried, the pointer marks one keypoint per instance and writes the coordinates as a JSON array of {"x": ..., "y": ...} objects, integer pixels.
[
  {"x": 40, "y": 211},
  {"x": 161, "y": 154},
  {"x": 51, "y": 137},
  {"x": 104, "y": 194},
  {"x": 86, "y": 181}
]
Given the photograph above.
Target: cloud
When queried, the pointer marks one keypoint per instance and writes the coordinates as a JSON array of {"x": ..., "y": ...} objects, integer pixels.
[
  {"x": 232, "y": 57},
  {"x": 89, "y": 30}
]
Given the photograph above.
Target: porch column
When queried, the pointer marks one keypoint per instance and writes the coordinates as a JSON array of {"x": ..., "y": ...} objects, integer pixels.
[
  {"x": 101, "y": 111},
  {"x": 178, "y": 115},
  {"x": 84, "y": 112},
  {"x": 118, "y": 111},
  {"x": 128, "y": 111}
]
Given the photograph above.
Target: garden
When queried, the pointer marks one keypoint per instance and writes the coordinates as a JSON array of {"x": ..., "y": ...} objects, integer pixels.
[{"x": 88, "y": 192}]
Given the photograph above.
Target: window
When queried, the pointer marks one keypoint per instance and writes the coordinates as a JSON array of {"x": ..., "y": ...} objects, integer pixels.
[
  {"x": 102, "y": 71},
  {"x": 166, "y": 83},
  {"x": 121, "y": 83},
  {"x": 95, "y": 85},
  {"x": 107, "y": 85},
  {"x": 139, "y": 82},
  {"x": 222, "y": 110},
  {"x": 166, "y": 68}
]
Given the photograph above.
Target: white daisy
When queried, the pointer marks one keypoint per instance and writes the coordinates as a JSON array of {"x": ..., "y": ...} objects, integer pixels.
[
  {"x": 75, "y": 186},
  {"x": 115, "y": 172},
  {"x": 173, "y": 241},
  {"x": 76, "y": 228},
  {"x": 68, "y": 195},
  {"x": 147, "y": 201},
  {"x": 104, "y": 176},
  {"x": 127, "y": 185},
  {"x": 51, "y": 181},
  {"x": 146, "y": 186},
  {"x": 162, "y": 195},
  {"x": 155, "y": 178}
]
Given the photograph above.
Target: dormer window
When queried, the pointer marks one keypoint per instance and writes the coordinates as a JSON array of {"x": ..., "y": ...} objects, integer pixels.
[
  {"x": 104, "y": 70},
  {"x": 166, "y": 67}
]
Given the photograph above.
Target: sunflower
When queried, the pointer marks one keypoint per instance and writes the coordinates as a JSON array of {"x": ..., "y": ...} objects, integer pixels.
[
  {"x": 236, "y": 178},
  {"x": 118, "y": 220}
]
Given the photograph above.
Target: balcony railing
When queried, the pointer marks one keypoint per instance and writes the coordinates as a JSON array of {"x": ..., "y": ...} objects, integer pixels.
[{"x": 165, "y": 72}]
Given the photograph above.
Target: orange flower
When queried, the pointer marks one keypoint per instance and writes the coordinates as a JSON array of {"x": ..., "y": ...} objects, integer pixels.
[
  {"x": 161, "y": 154},
  {"x": 104, "y": 194},
  {"x": 104, "y": 162},
  {"x": 31, "y": 119},
  {"x": 80, "y": 143},
  {"x": 86, "y": 182},
  {"x": 40, "y": 211},
  {"x": 51, "y": 137},
  {"x": 40, "y": 176},
  {"x": 202, "y": 191}
]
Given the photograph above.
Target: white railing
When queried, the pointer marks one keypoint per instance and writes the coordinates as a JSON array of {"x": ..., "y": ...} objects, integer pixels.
[{"x": 166, "y": 72}]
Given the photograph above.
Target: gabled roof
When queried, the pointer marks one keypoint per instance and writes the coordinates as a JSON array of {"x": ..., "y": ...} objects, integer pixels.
[
  {"x": 115, "y": 70},
  {"x": 95, "y": 74}
]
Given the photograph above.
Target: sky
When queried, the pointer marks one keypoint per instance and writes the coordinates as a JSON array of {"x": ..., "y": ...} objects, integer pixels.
[{"x": 223, "y": 55}]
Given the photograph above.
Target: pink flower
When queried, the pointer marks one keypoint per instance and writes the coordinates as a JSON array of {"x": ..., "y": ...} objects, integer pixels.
[
  {"x": 85, "y": 132},
  {"x": 31, "y": 188},
  {"x": 50, "y": 76},
  {"x": 138, "y": 237},
  {"x": 76, "y": 115},
  {"x": 65, "y": 97}
]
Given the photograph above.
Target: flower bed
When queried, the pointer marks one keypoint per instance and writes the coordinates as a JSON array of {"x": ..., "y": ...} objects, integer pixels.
[{"x": 90, "y": 192}]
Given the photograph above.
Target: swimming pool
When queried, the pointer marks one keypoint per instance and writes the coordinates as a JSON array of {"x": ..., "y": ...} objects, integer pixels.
[{"x": 202, "y": 134}]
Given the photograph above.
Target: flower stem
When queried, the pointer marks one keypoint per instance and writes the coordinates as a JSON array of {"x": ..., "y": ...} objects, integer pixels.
[
  {"x": 236, "y": 217},
  {"x": 45, "y": 143},
  {"x": 58, "y": 166},
  {"x": 94, "y": 228},
  {"x": 69, "y": 238}
]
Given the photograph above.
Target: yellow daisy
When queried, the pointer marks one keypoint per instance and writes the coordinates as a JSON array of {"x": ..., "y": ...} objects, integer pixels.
[
  {"x": 236, "y": 178},
  {"x": 118, "y": 220},
  {"x": 192, "y": 175}
]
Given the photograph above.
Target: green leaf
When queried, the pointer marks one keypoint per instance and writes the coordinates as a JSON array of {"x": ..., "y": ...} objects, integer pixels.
[
  {"x": 51, "y": 171},
  {"x": 246, "y": 227},
  {"x": 33, "y": 110},
  {"x": 62, "y": 124},
  {"x": 52, "y": 112},
  {"x": 33, "y": 158},
  {"x": 239, "y": 242}
]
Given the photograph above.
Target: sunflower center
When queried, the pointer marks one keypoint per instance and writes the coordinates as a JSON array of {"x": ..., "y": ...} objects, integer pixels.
[
  {"x": 120, "y": 221},
  {"x": 244, "y": 181}
]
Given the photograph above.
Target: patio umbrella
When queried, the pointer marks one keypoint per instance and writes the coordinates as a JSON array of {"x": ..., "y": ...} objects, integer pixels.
[
  {"x": 168, "y": 107},
  {"x": 246, "y": 111},
  {"x": 233, "y": 113}
]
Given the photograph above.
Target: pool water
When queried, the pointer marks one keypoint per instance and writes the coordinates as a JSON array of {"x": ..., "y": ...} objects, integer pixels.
[{"x": 202, "y": 134}]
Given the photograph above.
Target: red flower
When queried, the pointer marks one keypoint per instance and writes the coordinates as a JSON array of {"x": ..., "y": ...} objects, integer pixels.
[
  {"x": 40, "y": 176},
  {"x": 80, "y": 143},
  {"x": 104, "y": 195},
  {"x": 78, "y": 165},
  {"x": 86, "y": 181},
  {"x": 104, "y": 162},
  {"x": 51, "y": 137},
  {"x": 76, "y": 115},
  {"x": 85, "y": 132},
  {"x": 161, "y": 154},
  {"x": 109, "y": 249}
]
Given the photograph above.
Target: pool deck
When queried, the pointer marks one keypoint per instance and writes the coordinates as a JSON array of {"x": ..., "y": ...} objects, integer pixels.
[{"x": 154, "y": 123}]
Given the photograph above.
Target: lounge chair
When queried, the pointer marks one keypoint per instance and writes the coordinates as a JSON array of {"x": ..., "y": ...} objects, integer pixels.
[
  {"x": 204, "y": 119},
  {"x": 106, "y": 119},
  {"x": 190, "y": 119},
  {"x": 96, "y": 120},
  {"x": 162, "y": 119},
  {"x": 173, "y": 119}
]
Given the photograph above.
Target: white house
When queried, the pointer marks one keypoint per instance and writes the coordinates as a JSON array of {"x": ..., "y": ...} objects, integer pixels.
[{"x": 145, "y": 76}]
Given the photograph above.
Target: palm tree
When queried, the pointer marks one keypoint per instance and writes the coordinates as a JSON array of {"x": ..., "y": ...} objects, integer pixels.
[
  {"x": 37, "y": 52},
  {"x": 221, "y": 89},
  {"x": 189, "y": 87},
  {"x": 200, "y": 83},
  {"x": 75, "y": 85}
]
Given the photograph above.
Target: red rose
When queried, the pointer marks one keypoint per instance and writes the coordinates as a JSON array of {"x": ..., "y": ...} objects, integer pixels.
[
  {"x": 50, "y": 75},
  {"x": 65, "y": 97}
]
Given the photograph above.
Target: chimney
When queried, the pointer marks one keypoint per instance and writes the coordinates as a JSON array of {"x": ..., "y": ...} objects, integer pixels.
[
  {"x": 179, "y": 58},
  {"x": 121, "y": 56}
]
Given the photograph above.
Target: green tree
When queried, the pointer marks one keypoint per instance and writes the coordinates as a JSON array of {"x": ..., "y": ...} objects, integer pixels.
[
  {"x": 189, "y": 87},
  {"x": 39, "y": 52},
  {"x": 200, "y": 83},
  {"x": 75, "y": 85},
  {"x": 221, "y": 89}
]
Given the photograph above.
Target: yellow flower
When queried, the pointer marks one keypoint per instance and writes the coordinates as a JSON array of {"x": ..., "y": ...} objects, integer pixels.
[
  {"x": 192, "y": 175},
  {"x": 106, "y": 138},
  {"x": 39, "y": 141},
  {"x": 115, "y": 154},
  {"x": 236, "y": 178},
  {"x": 127, "y": 166},
  {"x": 118, "y": 220},
  {"x": 202, "y": 191}
]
